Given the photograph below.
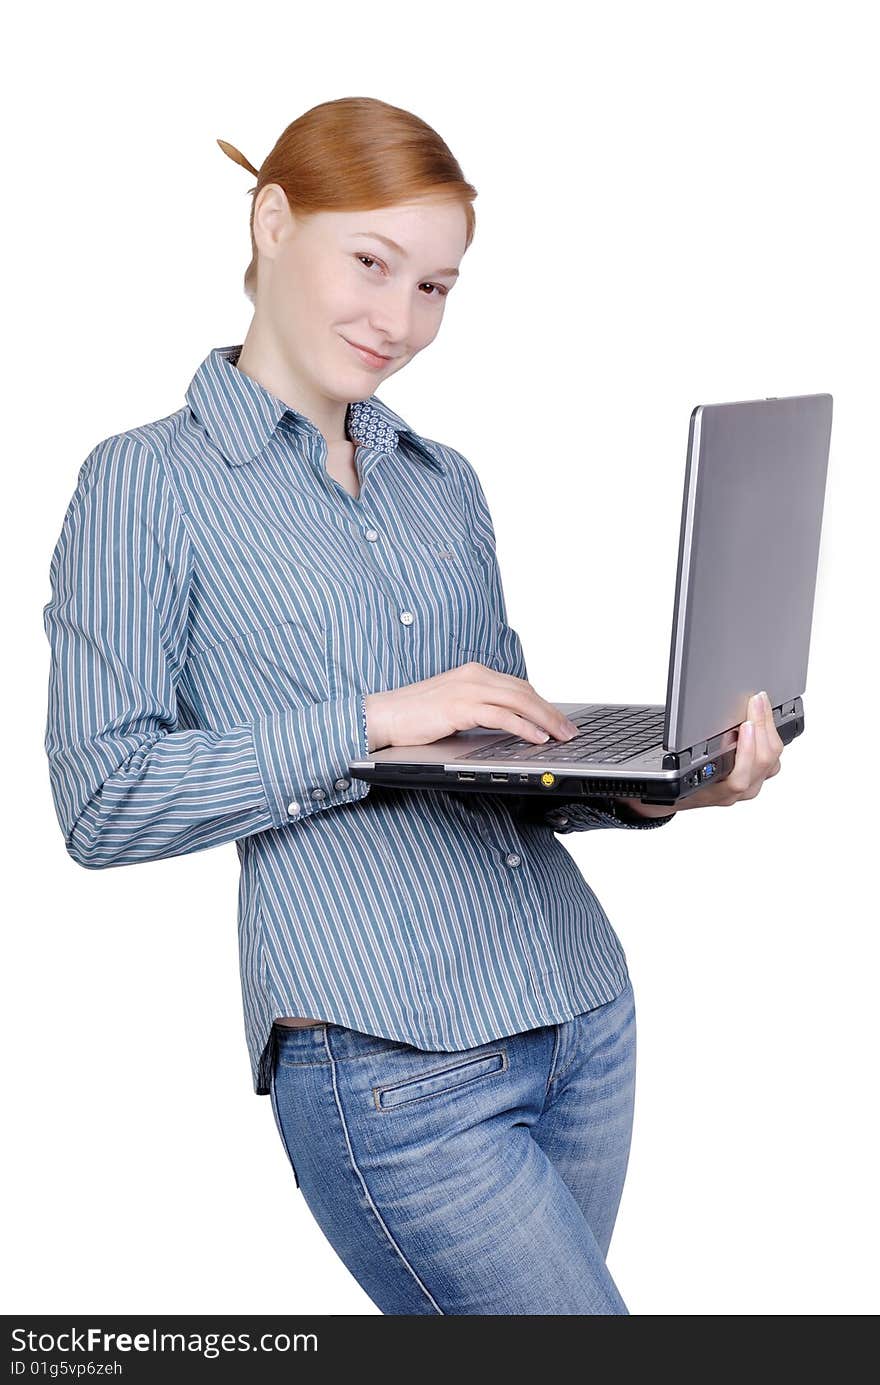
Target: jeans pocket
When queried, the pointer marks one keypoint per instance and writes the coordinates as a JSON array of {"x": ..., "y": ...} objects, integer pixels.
[{"x": 437, "y": 1081}]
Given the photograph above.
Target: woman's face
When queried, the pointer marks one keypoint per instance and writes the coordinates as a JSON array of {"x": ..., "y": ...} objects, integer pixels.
[{"x": 332, "y": 280}]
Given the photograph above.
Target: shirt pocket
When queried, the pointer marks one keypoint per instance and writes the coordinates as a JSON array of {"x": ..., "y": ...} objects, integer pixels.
[{"x": 458, "y": 601}]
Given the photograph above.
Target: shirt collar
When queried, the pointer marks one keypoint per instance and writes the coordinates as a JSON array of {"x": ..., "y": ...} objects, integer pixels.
[{"x": 240, "y": 415}]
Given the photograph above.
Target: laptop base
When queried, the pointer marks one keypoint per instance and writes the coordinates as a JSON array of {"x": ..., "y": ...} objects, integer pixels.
[{"x": 673, "y": 775}]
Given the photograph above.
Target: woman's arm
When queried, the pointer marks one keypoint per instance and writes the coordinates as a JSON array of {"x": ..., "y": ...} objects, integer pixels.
[{"x": 127, "y": 784}]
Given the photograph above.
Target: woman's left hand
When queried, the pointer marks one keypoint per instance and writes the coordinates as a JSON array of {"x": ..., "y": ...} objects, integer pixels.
[{"x": 758, "y": 748}]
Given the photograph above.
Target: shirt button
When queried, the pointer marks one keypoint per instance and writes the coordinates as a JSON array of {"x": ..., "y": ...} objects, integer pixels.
[
  {"x": 318, "y": 793},
  {"x": 372, "y": 535},
  {"x": 407, "y": 617},
  {"x": 512, "y": 859},
  {"x": 341, "y": 783},
  {"x": 293, "y": 809}
]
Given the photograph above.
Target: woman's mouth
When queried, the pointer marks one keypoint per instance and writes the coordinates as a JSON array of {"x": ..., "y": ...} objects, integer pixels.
[{"x": 370, "y": 358}]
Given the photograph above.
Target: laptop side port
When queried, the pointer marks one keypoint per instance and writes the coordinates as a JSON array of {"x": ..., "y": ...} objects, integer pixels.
[
  {"x": 466, "y": 774},
  {"x": 499, "y": 778}
]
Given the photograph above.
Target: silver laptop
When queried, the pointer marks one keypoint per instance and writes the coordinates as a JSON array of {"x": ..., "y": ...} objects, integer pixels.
[{"x": 751, "y": 520}]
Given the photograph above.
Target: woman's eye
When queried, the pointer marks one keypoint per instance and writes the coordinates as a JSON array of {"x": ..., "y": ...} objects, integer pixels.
[{"x": 441, "y": 291}]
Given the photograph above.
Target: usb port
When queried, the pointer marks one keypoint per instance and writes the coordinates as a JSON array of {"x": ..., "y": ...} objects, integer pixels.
[
  {"x": 466, "y": 775},
  {"x": 499, "y": 778}
]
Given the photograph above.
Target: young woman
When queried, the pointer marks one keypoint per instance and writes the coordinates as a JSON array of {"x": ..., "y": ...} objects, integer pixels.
[{"x": 283, "y": 576}]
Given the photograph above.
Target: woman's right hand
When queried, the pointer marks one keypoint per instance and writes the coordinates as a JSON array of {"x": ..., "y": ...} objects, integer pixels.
[{"x": 459, "y": 700}]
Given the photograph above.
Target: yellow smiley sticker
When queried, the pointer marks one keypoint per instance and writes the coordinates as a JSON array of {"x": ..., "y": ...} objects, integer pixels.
[{"x": 547, "y": 778}]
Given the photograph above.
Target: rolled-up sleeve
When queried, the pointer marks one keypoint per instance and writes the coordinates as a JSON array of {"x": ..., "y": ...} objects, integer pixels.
[
  {"x": 128, "y": 783},
  {"x": 567, "y": 815}
]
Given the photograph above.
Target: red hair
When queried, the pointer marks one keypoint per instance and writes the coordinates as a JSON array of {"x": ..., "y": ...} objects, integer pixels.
[{"x": 353, "y": 154}]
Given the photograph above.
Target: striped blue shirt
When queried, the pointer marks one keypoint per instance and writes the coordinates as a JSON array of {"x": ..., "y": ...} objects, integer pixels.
[{"x": 220, "y": 608}]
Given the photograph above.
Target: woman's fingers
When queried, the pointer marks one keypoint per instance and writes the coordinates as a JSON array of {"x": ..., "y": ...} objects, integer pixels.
[
  {"x": 772, "y": 747},
  {"x": 740, "y": 776},
  {"x": 766, "y": 739},
  {"x": 764, "y": 756}
]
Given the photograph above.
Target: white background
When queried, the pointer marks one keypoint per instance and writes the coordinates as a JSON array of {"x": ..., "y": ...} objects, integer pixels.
[{"x": 675, "y": 207}]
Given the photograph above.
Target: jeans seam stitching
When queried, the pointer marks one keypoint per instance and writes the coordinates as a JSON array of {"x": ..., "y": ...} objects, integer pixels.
[
  {"x": 556, "y": 1076},
  {"x": 363, "y": 1183},
  {"x": 276, "y": 1111},
  {"x": 557, "y": 1028}
]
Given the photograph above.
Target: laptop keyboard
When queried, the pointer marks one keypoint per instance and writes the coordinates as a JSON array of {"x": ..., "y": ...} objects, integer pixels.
[{"x": 607, "y": 736}]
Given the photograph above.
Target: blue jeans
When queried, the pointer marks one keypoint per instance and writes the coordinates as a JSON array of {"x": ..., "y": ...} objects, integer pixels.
[{"x": 482, "y": 1181}]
